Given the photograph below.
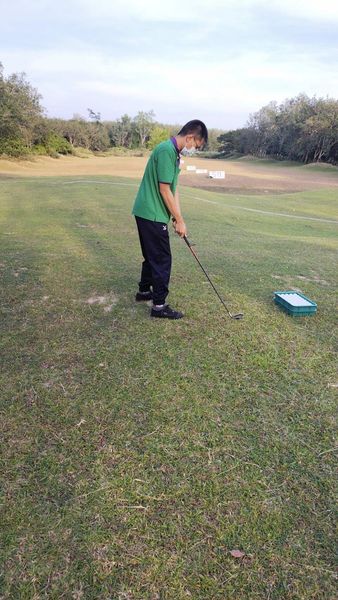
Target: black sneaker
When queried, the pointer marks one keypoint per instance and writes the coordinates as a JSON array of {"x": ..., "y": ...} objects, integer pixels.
[
  {"x": 166, "y": 313},
  {"x": 144, "y": 296}
]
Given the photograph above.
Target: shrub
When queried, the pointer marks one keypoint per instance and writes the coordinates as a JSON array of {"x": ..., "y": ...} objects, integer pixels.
[
  {"x": 39, "y": 149},
  {"x": 56, "y": 144},
  {"x": 14, "y": 148}
]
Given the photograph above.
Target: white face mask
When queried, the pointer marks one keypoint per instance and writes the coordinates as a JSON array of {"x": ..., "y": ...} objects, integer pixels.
[{"x": 188, "y": 151}]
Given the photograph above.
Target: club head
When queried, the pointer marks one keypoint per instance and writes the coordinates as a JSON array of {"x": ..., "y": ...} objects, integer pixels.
[{"x": 238, "y": 316}]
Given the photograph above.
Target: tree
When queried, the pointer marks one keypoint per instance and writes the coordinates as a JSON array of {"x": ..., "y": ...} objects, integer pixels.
[
  {"x": 158, "y": 135},
  {"x": 237, "y": 141},
  {"x": 213, "y": 136},
  {"x": 20, "y": 111},
  {"x": 144, "y": 123},
  {"x": 320, "y": 132},
  {"x": 94, "y": 116},
  {"x": 121, "y": 132},
  {"x": 301, "y": 128},
  {"x": 98, "y": 137},
  {"x": 75, "y": 131}
]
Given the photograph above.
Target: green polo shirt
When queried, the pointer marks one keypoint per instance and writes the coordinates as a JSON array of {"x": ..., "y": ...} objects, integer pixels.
[{"x": 162, "y": 167}]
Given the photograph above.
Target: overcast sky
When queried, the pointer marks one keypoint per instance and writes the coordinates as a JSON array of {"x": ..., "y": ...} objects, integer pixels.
[{"x": 216, "y": 60}]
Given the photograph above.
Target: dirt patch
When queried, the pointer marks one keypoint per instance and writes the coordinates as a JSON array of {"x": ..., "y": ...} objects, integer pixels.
[
  {"x": 19, "y": 271},
  {"x": 85, "y": 226},
  {"x": 313, "y": 279},
  {"x": 243, "y": 177},
  {"x": 107, "y": 301}
]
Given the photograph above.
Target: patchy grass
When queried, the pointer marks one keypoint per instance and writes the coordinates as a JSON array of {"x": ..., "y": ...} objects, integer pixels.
[{"x": 139, "y": 455}]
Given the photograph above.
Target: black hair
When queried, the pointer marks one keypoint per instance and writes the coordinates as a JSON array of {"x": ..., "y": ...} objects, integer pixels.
[{"x": 197, "y": 128}]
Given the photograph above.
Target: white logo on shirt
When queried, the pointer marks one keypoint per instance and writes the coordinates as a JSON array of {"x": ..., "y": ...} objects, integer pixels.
[{"x": 164, "y": 228}]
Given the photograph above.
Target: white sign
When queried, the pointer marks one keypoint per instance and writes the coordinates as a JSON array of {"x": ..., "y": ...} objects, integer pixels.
[
  {"x": 217, "y": 174},
  {"x": 191, "y": 168},
  {"x": 201, "y": 170}
]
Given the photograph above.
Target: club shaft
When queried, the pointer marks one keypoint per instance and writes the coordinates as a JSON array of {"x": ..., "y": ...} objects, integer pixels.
[{"x": 206, "y": 274}]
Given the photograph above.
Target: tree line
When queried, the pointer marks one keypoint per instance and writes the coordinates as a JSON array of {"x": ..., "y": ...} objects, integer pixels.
[
  {"x": 25, "y": 130},
  {"x": 302, "y": 129}
]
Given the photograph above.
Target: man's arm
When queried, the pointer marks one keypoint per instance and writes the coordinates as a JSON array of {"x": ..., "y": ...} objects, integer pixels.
[{"x": 173, "y": 204}]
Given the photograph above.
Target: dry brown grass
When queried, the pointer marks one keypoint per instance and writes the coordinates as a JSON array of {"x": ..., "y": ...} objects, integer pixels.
[
  {"x": 242, "y": 176},
  {"x": 118, "y": 166}
]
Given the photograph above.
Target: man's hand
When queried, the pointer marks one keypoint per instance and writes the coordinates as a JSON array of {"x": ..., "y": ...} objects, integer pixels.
[
  {"x": 180, "y": 227},
  {"x": 173, "y": 205}
]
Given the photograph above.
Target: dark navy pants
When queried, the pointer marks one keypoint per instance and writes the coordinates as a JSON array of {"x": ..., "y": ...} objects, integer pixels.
[{"x": 156, "y": 267}]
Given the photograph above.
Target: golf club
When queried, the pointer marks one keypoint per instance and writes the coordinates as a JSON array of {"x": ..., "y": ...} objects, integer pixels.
[{"x": 189, "y": 244}]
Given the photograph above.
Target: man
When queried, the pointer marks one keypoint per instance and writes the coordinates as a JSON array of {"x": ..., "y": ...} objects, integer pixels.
[{"x": 156, "y": 202}]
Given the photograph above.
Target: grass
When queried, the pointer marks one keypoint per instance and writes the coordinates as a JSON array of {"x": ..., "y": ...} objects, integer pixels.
[
  {"x": 319, "y": 167},
  {"x": 137, "y": 454}
]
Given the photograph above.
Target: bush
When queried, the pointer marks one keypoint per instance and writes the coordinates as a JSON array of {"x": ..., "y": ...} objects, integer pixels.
[
  {"x": 53, "y": 145},
  {"x": 14, "y": 148},
  {"x": 56, "y": 144},
  {"x": 39, "y": 149}
]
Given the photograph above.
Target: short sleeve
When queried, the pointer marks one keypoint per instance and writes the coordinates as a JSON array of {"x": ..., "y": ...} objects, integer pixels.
[{"x": 165, "y": 167}]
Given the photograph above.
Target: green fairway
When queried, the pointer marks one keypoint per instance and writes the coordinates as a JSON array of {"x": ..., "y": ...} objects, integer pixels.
[{"x": 138, "y": 453}]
